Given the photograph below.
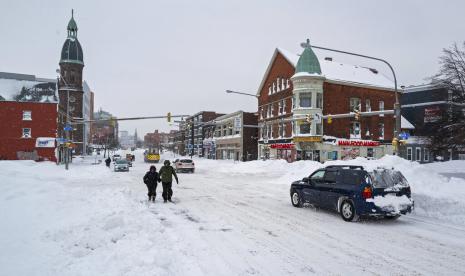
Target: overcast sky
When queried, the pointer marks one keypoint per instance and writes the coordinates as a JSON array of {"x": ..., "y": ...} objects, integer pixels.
[{"x": 146, "y": 58}]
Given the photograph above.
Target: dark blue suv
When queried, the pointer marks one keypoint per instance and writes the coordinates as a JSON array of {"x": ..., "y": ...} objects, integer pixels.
[{"x": 353, "y": 192}]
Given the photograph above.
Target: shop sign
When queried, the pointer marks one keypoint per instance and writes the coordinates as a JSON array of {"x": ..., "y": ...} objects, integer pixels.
[
  {"x": 282, "y": 146},
  {"x": 237, "y": 123},
  {"x": 45, "y": 142},
  {"x": 307, "y": 139},
  {"x": 358, "y": 143},
  {"x": 432, "y": 114}
]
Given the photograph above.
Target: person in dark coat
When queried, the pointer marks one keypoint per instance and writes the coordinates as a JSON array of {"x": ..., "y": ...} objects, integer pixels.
[
  {"x": 166, "y": 174},
  {"x": 108, "y": 161},
  {"x": 151, "y": 179}
]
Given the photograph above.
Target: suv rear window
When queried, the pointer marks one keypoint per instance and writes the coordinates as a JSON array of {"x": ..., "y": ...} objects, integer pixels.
[
  {"x": 186, "y": 161},
  {"x": 352, "y": 177},
  {"x": 388, "y": 178}
]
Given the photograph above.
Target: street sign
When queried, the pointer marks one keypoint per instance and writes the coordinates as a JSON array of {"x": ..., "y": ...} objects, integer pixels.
[
  {"x": 61, "y": 140},
  {"x": 404, "y": 135},
  {"x": 67, "y": 128}
]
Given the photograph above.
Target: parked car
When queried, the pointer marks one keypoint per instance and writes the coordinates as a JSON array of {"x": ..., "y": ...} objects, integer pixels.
[
  {"x": 184, "y": 165},
  {"x": 354, "y": 192},
  {"x": 121, "y": 165},
  {"x": 116, "y": 157}
]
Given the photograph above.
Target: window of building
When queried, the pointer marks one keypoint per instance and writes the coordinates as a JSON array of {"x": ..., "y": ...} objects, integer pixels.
[
  {"x": 281, "y": 129},
  {"x": 27, "y": 133},
  {"x": 274, "y": 88},
  {"x": 305, "y": 128},
  {"x": 280, "y": 108},
  {"x": 260, "y": 111},
  {"x": 367, "y": 106},
  {"x": 319, "y": 100},
  {"x": 288, "y": 83},
  {"x": 293, "y": 102},
  {"x": 270, "y": 131},
  {"x": 381, "y": 131},
  {"x": 278, "y": 84},
  {"x": 284, "y": 106},
  {"x": 418, "y": 154},
  {"x": 370, "y": 152},
  {"x": 355, "y": 132},
  {"x": 27, "y": 115},
  {"x": 283, "y": 83},
  {"x": 271, "y": 110},
  {"x": 269, "y": 90},
  {"x": 425, "y": 154},
  {"x": 305, "y": 99},
  {"x": 318, "y": 129},
  {"x": 409, "y": 154},
  {"x": 381, "y": 107},
  {"x": 354, "y": 104}
]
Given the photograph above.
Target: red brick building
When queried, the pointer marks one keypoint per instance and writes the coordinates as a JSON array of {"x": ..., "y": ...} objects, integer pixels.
[
  {"x": 297, "y": 91},
  {"x": 28, "y": 130}
]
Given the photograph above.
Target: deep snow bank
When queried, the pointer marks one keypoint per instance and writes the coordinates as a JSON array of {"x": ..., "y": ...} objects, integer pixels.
[{"x": 435, "y": 195}]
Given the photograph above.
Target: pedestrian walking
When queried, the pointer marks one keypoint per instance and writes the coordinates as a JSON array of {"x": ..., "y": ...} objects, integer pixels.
[
  {"x": 151, "y": 179},
  {"x": 108, "y": 161},
  {"x": 166, "y": 174}
]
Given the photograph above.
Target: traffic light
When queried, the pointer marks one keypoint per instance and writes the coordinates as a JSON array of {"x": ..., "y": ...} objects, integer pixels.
[
  {"x": 308, "y": 118},
  {"x": 395, "y": 142},
  {"x": 168, "y": 117},
  {"x": 330, "y": 119},
  {"x": 357, "y": 115}
]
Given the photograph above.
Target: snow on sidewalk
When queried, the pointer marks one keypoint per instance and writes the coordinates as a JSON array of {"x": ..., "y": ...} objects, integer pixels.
[{"x": 228, "y": 219}]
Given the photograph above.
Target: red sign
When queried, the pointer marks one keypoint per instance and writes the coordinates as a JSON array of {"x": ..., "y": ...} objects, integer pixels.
[
  {"x": 282, "y": 146},
  {"x": 358, "y": 143}
]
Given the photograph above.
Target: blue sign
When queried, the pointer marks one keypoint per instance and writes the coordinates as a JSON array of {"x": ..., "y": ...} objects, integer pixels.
[
  {"x": 190, "y": 146},
  {"x": 404, "y": 135},
  {"x": 61, "y": 140},
  {"x": 68, "y": 128}
]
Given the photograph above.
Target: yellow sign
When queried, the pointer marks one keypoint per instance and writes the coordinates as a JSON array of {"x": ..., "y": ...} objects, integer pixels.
[{"x": 307, "y": 139}]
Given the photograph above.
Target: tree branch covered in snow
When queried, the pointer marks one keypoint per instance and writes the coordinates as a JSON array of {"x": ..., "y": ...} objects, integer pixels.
[{"x": 448, "y": 132}]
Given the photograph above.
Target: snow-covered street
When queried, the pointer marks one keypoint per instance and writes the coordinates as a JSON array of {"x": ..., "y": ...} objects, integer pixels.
[{"x": 227, "y": 219}]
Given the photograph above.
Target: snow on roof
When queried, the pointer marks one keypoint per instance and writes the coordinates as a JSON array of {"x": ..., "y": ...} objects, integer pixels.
[
  {"x": 19, "y": 87},
  {"x": 405, "y": 124},
  {"x": 343, "y": 72}
]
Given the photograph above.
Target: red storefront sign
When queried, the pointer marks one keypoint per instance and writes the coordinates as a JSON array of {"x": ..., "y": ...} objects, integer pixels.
[
  {"x": 358, "y": 143},
  {"x": 282, "y": 146}
]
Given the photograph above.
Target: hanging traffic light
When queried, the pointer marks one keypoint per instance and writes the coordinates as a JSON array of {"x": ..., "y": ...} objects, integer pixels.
[
  {"x": 395, "y": 142},
  {"x": 357, "y": 115},
  {"x": 168, "y": 117},
  {"x": 330, "y": 119}
]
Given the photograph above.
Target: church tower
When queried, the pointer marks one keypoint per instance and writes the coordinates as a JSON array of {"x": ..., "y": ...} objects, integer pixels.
[{"x": 70, "y": 91}]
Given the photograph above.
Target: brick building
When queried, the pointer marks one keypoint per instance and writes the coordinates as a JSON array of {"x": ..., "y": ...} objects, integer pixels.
[
  {"x": 234, "y": 136},
  {"x": 28, "y": 130},
  {"x": 297, "y": 91},
  {"x": 194, "y": 132},
  {"x": 75, "y": 96}
]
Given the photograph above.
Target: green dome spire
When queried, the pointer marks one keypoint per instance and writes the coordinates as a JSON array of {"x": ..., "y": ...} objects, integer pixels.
[
  {"x": 72, "y": 26},
  {"x": 308, "y": 62}
]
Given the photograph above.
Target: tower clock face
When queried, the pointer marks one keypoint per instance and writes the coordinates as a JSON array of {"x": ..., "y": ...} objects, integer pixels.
[{"x": 72, "y": 99}]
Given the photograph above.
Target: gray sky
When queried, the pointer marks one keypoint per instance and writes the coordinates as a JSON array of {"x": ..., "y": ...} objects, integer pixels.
[{"x": 150, "y": 57}]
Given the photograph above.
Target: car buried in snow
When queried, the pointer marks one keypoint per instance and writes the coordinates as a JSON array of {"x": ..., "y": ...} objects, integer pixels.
[{"x": 354, "y": 192}]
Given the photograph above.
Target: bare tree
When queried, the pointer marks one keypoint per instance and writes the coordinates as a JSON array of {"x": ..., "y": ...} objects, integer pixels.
[{"x": 449, "y": 131}]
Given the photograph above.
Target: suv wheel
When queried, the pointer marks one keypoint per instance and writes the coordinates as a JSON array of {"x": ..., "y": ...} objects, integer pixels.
[
  {"x": 347, "y": 211},
  {"x": 295, "y": 199}
]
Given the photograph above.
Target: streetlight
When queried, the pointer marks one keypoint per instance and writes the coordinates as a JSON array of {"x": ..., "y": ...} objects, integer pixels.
[
  {"x": 397, "y": 111},
  {"x": 67, "y": 127},
  {"x": 241, "y": 93}
]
